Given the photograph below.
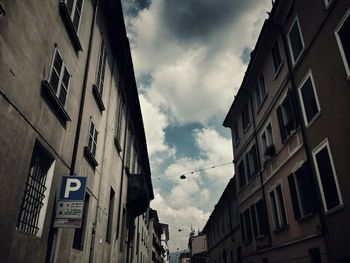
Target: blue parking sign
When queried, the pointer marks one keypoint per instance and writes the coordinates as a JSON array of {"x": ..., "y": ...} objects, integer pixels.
[{"x": 73, "y": 188}]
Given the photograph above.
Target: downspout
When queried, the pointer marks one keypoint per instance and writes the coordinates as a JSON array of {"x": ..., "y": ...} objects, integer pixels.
[
  {"x": 303, "y": 130},
  {"x": 82, "y": 99},
  {"x": 259, "y": 167}
]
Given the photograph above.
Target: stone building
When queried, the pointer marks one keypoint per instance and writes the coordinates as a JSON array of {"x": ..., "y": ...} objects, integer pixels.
[
  {"x": 69, "y": 106},
  {"x": 288, "y": 133}
]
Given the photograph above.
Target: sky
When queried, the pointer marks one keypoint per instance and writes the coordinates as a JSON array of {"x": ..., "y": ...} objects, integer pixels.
[{"x": 190, "y": 57}]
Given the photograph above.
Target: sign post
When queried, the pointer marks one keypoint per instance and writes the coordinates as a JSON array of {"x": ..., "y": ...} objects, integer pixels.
[{"x": 70, "y": 203}]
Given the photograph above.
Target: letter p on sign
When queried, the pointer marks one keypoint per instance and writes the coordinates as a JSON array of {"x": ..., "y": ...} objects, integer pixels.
[{"x": 72, "y": 186}]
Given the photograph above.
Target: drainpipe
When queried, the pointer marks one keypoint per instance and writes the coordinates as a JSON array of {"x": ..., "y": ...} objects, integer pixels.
[
  {"x": 259, "y": 167},
  {"x": 302, "y": 128},
  {"x": 82, "y": 98}
]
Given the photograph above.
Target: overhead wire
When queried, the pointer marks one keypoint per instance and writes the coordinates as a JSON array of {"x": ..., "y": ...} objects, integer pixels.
[{"x": 193, "y": 171}]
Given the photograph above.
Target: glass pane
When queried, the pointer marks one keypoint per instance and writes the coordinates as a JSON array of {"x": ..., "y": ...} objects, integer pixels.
[
  {"x": 309, "y": 100},
  {"x": 76, "y": 20},
  {"x": 62, "y": 95},
  {"x": 295, "y": 40},
  {"x": 327, "y": 179},
  {"x": 66, "y": 78},
  {"x": 57, "y": 62},
  {"x": 54, "y": 79}
]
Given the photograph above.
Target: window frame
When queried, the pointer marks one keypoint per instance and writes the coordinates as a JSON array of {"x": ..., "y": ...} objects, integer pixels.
[
  {"x": 260, "y": 86},
  {"x": 245, "y": 110},
  {"x": 328, "y": 3},
  {"x": 276, "y": 68},
  {"x": 92, "y": 136},
  {"x": 302, "y": 83},
  {"x": 266, "y": 147},
  {"x": 279, "y": 214},
  {"x": 315, "y": 151},
  {"x": 240, "y": 184},
  {"x": 39, "y": 217},
  {"x": 72, "y": 13},
  {"x": 340, "y": 44},
  {"x": 235, "y": 133},
  {"x": 60, "y": 77},
  {"x": 258, "y": 221},
  {"x": 295, "y": 60}
]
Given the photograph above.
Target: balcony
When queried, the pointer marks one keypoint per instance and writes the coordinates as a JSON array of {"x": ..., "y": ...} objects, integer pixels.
[{"x": 138, "y": 196}]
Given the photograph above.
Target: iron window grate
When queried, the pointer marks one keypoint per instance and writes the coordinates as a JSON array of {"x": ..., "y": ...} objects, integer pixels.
[{"x": 34, "y": 192}]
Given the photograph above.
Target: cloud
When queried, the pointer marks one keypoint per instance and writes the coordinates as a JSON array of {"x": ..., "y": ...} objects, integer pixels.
[
  {"x": 182, "y": 218},
  {"x": 192, "y": 50}
]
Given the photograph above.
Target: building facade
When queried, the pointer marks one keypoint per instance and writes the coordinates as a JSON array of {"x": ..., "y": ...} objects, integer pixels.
[
  {"x": 287, "y": 126},
  {"x": 222, "y": 228},
  {"x": 69, "y": 106}
]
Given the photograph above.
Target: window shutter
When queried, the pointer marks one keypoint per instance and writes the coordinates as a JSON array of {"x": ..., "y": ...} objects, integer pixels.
[
  {"x": 292, "y": 109},
  {"x": 293, "y": 193},
  {"x": 255, "y": 158},
  {"x": 253, "y": 214},
  {"x": 262, "y": 217},
  {"x": 281, "y": 124}
]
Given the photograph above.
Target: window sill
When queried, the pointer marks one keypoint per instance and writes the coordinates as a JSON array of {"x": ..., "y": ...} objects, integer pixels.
[
  {"x": 54, "y": 103},
  {"x": 98, "y": 98},
  {"x": 305, "y": 217},
  {"x": 307, "y": 125},
  {"x": 90, "y": 157},
  {"x": 69, "y": 26},
  {"x": 279, "y": 69},
  {"x": 246, "y": 128},
  {"x": 334, "y": 209},
  {"x": 117, "y": 144},
  {"x": 261, "y": 103},
  {"x": 281, "y": 229}
]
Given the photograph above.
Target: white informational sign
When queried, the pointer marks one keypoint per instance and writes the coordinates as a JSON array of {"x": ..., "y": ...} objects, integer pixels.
[{"x": 70, "y": 204}]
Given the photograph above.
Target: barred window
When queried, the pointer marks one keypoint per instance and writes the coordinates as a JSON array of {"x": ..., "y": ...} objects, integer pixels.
[
  {"x": 59, "y": 77},
  {"x": 32, "y": 211}
]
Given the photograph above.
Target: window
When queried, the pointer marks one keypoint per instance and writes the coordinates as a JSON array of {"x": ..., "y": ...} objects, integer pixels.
[
  {"x": 246, "y": 229},
  {"x": 326, "y": 176},
  {"x": 79, "y": 233},
  {"x": 259, "y": 219},
  {"x": 241, "y": 175},
  {"x": 101, "y": 68},
  {"x": 130, "y": 138},
  {"x": 286, "y": 116},
  {"x": 343, "y": 39},
  {"x": 328, "y": 2},
  {"x": 277, "y": 204},
  {"x": 59, "y": 77},
  {"x": 295, "y": 41},
  {"x": 36, "y": 193},
  {"x": 110, "y": 216},
  {"x": 315, "y": 255},
  {"x": 267, "y": 143},
  {"x": 245, "y": 116},
  {"x": 74, "y": 8},
  {"x": 235, "y": 134},
  {"x": 260, "y": 90},
  {"x": 118, "y": 128},
  {"x": 308, "y": 97},
  {"x": 92, "y": 140},
  {"x": 276, "y": 56},
  {"x": 302, "y": 191},
  {"x": 252, "y": 161}
]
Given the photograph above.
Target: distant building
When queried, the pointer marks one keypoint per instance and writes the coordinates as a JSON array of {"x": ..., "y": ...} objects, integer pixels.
[
  {"x": 222, "y": 228},
  {"x": 155, "y": 231},
  {"x": 185, "y": 257},
  {"x": 69, "y": 106},
  {"x": 198, "y": 247},
  {"x": 164, "y": 243},
  {"x": 289, "y": 137}
]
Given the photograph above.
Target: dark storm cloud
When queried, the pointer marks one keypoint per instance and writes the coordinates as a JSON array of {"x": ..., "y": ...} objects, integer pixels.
[
  {"x": 198, "y": 19},
  {"x": 133, "y": 7}
]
